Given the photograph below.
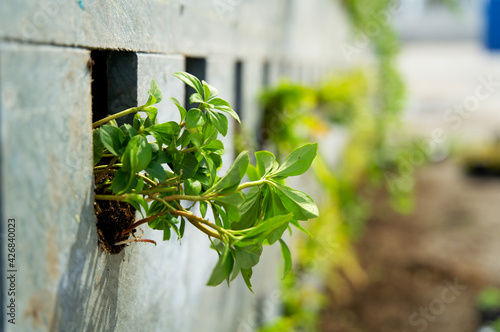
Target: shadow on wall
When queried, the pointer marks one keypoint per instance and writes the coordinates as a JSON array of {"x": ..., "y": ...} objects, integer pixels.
[{"x": 88, "y": 291}]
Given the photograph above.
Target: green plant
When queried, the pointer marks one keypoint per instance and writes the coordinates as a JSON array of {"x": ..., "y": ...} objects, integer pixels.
[
  {"x": 155, "y": 166},
  {"x": 489, "y": 299}
]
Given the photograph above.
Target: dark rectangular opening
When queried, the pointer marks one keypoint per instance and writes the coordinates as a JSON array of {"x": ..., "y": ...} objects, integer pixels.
[
  {"x": 114, "y": 83},
  {"x": 198, "y": 68},
  {"x": 238, "y": 88},
  {"x": 122, "y": 83},
  {"x": 266, "y": 75},
  {"x": 99, "y": 87}
]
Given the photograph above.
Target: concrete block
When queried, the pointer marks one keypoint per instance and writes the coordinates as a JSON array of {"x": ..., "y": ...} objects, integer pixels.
[
  {"x": 244, "y": 27},
  {"x": 47, "y": 178}
]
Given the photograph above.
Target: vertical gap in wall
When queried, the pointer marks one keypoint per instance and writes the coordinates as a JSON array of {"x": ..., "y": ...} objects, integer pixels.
[
  {"x": 266, "y": 81},
  {"x": 198, "y": 68},
  {"x": 238, "y": 88},
  {"x": 122, "y": 83},
  {"x": 114, "y": 83},
  {"x": 99, "y": 88},
  {"x": 238, "y": 99},
  {"x": 266, "y": 74}
]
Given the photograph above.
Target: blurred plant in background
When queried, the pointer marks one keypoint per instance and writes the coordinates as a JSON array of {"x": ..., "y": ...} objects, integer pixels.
[
  {"x": 488, "y": 304},
  {"x": 364, "y": 105},
  {"x": 295, "y": 114}
]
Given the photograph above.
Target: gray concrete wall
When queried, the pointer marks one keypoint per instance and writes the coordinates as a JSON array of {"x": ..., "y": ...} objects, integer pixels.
[{"x": 63, "y": 281}]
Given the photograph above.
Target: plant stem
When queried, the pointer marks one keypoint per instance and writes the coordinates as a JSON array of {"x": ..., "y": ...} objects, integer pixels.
[
  {"x": 188, "y": 150},
  {"x": 190, "y": 216},
  {"x": 135, "y": 240},
  {"x": 159, "y": 190},
  {"x": 101, "y": 175},
  {"x": 251, "y": 184},
  {"x": 97, "y": 168},
  {"x": 146, "y": 179},
  {"x": 110, "y": 197},
  {"x": 117, "y": 115},
  {"x": 204, "y": 229},
  {"x": 159, "y": 199},
  {"x": 184, "y": 197},
  {"x": 143, "y": 221}
]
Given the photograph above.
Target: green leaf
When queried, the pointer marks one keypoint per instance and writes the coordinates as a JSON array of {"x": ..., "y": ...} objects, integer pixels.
[
  {"x": 275, "y": 208},
  {"x": 98, "y": 146},
  {"x": 183, "y": 141},
  {"x": 197, "y": 140},
  {"x": 137, "y": 155},
  {"x": 300, "y": 227},
  {"x": 181, "y": 109},
  {"x": 252, "y": 173},
  {"x": 299, "y": 203},
  {"x": 152, "y": 112},
  {"x": 139, "y": 185},
  {"x": 247, "y": 257},
  {"x": 231, "y": 180},
  {"x": 156, "y": 170},
  {"x": 209, "y": 130},
  {"x": 203, "y": 208},
  {"x": 192, "y": 187},
  {"x": 188, "y": 165},
  {"x": 156, "y": 207},
  {"x": 137, "y": 201},
  {"x": 287, "y": 258},
  {"x": 168, "y": 131},
  {"x": 162, "y": 224},
  {"x": 219, "y": 121},
  {"x": 298, "y": 161},
  {"x": 232, "y": 204},
  {"x": 215, "y": 147},
  {"x": 123, "y": 182},
  {"x": 219, "y": 213},
  {"x": 265, "y": 162},
  {"x": 247, "y": 274},
  {"x": 266, "y": 227},
  {"x": 128, "y": 130},
  {"x": 206, "y": 91},
  {"x": 223, "y": 268},
  {"x": 166, "y": 234},
  {"x": 182, "y": 228},
  {"x": 250, "y": 210},
  {"x": 190, "y": 80},
  {"x": 209, "y": 91},
  {"x": 112, "y": 138},
  {"x": 154, "y": 94},
  {"x": 196, "y": 98},
  {"x": 173, "y": 225},
  {"x": 194, "y": 118},
  {"x": 223, "y": 106}
]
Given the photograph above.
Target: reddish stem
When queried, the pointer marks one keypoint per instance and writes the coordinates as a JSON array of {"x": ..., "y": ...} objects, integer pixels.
[
  {"x": 143, "y": 221},
  {"x": 146, "y": 240}
]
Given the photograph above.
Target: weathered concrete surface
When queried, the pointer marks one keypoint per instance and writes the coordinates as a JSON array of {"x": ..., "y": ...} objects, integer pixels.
[
  {"x": 65, "y": 283},
  {"x": 46, "y": 177},
  {"x": 145, "y": 25},
  {"x": 248, "y": 29}
]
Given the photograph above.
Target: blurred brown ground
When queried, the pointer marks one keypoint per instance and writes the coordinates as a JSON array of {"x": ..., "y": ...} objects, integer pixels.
[
  {"x": 454, "y": 233},
  {"x": 455, "y": 229}
]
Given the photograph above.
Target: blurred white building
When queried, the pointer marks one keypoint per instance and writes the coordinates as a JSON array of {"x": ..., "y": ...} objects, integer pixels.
[{"x": 433, "y": 20}]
